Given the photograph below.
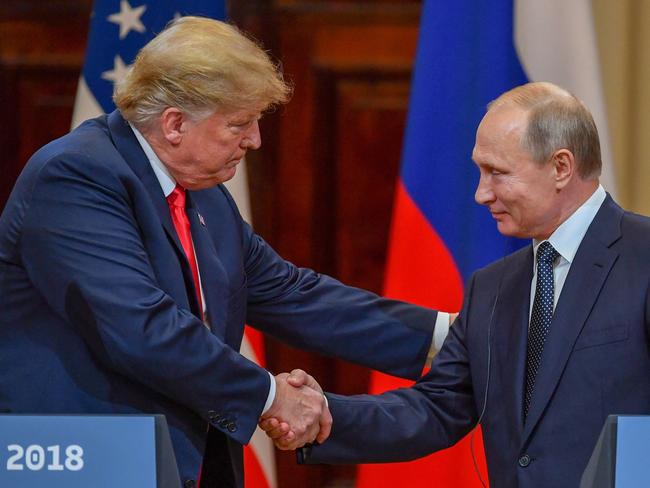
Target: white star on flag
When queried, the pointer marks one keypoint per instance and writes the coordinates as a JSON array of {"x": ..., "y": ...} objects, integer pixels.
[
  {"x": 118, "y": 72},
  {"x": 128, "y": 18}
]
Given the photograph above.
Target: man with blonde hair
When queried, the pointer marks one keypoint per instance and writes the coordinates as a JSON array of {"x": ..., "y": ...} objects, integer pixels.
[
  {"x": 127, "y": 273},
  {"x": 551, "y": 339}
]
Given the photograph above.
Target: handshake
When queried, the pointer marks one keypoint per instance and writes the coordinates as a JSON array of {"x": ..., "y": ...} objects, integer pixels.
[{"x": 299, "y": 413}]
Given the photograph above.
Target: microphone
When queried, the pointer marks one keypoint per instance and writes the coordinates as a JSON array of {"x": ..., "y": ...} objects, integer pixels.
[{"x": 487, "y": 381}]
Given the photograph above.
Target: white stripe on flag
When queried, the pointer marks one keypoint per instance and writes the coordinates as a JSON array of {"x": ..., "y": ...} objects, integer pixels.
[
  {"x": 238, "y": 188},
  {"x": 85, "y": 104},
  {"x": 556, "y": 42}
]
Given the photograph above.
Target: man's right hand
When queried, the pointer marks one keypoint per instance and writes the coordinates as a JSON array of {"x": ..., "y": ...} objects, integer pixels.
[{"x": 299, "y": 414}]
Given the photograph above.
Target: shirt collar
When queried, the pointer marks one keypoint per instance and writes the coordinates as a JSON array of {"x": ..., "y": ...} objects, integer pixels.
[
  {"x": 166, "y": 180},
  {"x": 567, "y": 237}
]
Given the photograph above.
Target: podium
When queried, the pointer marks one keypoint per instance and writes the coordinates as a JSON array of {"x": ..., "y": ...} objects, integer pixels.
[
  {"x": 620, "y": 456},
  {"x": 74, "y": 451}
]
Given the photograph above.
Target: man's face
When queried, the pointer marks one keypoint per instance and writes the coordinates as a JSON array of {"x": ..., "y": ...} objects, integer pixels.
[
  {"x": 211, "y": 148},
  {"x": 519, "y": 192}
]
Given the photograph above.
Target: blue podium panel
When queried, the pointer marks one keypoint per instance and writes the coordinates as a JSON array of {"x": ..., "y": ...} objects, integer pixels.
[
  {"x": 62, "y": 451},
  {"x": 633, "y": 439}
]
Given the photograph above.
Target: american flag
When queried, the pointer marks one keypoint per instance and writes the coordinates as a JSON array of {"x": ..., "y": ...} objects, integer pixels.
[{"x": 118, "y": 29}]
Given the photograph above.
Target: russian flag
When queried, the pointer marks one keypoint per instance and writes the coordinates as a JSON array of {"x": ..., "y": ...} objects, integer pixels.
[
  {"x": 469, "y": 52},
  {"x": 118, "y": 29}
]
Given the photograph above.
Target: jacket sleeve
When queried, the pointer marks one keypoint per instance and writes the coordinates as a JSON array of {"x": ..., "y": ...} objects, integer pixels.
[
  {"x": 315, "y": 312},
  {"x": 83, "y": 251},
  {"x": 407, "y": 423}
]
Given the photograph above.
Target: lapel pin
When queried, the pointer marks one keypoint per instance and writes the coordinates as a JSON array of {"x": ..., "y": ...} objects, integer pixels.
[{"x": 202, "y": 220}]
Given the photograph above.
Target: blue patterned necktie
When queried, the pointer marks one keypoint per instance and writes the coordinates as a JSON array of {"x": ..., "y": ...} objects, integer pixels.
[{"x": 540, "y": 319}]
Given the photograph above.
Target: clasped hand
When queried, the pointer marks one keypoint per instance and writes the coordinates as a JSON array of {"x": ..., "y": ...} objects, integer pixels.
[{"x": 299, "y": 413}]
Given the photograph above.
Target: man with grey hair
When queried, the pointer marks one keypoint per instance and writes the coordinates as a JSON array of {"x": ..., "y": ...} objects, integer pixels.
[
  {"x": 550, "y": 340},
  {"x": 127, "y": 273}
]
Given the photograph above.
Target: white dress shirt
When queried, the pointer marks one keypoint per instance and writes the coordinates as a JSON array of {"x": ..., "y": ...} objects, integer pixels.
[{"x": 566, "y": 239}]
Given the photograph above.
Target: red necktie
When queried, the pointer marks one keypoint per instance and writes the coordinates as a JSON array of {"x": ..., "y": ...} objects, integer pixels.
[{"x": 176, "y": 201}]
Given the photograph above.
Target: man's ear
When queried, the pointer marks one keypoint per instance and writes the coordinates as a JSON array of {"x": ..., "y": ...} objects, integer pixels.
[
  {"x": 564, "y": 164},
  {"x": 172, "y": 125}
]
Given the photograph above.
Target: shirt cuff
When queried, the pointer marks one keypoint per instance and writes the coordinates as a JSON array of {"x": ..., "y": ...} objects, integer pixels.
[
  {"x": 271, "y": 397},
  {"x": 440, "y": 331}
]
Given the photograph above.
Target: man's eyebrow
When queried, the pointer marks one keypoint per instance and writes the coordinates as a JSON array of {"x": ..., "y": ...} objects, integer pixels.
[
  {"x": 476, "y": 161},
  {"x": 485, "y": 165}
]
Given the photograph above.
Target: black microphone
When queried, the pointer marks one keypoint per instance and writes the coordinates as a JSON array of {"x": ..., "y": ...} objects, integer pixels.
[{"x": 487, "y": 381}]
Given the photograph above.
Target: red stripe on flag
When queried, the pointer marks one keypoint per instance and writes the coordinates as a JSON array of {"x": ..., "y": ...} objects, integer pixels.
[
  {"x": 255, "y": 477},
  {"x": 256, "y": 340},
  {"x": 421, "y": 270}
]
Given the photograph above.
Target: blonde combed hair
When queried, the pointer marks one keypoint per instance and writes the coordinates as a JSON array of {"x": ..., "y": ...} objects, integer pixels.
[
  {"x": 199, "y": 66},
  {"x": 557, "y": 119}
]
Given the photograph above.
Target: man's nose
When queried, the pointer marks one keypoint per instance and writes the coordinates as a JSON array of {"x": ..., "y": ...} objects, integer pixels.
[
  {"x": 484, "y": 194},
  {"x": 253, "y": 139}
]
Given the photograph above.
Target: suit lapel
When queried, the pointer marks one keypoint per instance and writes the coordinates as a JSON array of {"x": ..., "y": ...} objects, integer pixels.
[
  {"x": 588, "y": 273},
  {"x": 510, "y": 331},
  {"x": 130, "y": 149}
]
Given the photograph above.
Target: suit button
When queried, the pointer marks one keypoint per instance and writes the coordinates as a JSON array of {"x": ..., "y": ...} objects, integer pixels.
[
  {"x": 232, "y": 427},
  {"x": 189, "y": 484},
  {"x": 524, "y": 460},
  {"x": 212, "y": 415}
]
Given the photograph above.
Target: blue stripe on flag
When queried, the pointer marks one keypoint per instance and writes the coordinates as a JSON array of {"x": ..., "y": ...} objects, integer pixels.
[{"x": 466, "y": 57}]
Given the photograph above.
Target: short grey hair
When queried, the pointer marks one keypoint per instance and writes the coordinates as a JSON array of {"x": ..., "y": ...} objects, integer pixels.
[{"x": 556, "y": 120}]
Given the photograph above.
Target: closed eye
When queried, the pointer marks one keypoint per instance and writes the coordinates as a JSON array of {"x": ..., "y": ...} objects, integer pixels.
[
  {"x": 244, "y": 124},
  {"x": 240, "y": 125}
]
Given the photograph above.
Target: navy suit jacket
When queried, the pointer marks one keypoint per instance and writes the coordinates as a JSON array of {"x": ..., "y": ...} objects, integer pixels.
[
  {"x": 99, "y": 313},
  {"x": 595, "y": 362}
]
